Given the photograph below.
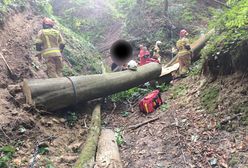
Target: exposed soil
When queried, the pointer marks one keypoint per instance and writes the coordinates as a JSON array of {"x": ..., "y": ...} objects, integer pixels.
[
  {"x": 17, "y": 38},
  {"x": 186, "y": 135},
  {"x": 23, "y": 126}
]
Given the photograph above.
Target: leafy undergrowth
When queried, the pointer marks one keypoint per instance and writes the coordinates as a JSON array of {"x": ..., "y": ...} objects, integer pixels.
[
  {"x": 137, "y": 92},
  {"x": 227, "y": 50},
  {"x": 6, "y": 153}
]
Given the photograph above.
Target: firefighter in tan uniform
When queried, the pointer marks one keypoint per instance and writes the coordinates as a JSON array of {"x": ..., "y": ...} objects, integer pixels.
[
  {"x": 156, "y": 54},
  {"x": 51, "y": 44},
  {"x": 184, "y": 53}
]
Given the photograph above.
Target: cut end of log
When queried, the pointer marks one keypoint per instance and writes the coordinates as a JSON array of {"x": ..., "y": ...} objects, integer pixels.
[
  {"x": 108, "y": 152},
  {"x": 27, "y": 92}
]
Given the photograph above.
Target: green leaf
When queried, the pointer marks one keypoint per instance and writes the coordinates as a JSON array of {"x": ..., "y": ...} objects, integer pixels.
[
  {"x": 118, "y": 136},
  {"x": 164, "y": 107},
  {"x": 43, "y": 150},
  {"x": 124, "y": 114},
  {"x": 8, "y": 149}
]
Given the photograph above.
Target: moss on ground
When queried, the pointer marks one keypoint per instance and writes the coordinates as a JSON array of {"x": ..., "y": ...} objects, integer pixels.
[
  {"x": 179, "y": 90},
  {"x": 209, "y": 97},
  {"x": 241, "y": 108},
  {"x": 234, "y": 160}
]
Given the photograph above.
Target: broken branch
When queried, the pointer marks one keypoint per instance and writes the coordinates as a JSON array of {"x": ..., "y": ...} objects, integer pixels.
[{"x": 133, "y": 127}]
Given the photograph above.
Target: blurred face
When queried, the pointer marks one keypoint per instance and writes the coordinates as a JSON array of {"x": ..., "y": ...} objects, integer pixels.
[{"x": 141, "y": 46}]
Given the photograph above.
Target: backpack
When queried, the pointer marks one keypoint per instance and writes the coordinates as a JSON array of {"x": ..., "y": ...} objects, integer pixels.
[{"x": 150, "y": 102}]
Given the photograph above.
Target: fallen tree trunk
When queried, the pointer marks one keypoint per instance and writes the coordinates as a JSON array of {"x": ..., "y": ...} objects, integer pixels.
[
  {"x": 87, "y": 156},
  {"x": 57, "y": 93},
  {"x": 107, "y": 151},
  {"x": 195, "y": 47}
]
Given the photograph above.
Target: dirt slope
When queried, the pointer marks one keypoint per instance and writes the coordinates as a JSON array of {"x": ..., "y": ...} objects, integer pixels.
[
  {"x": 16, "y": 44},
  {"x": 23, "y": 126},
  {"x": 187, "y": 135}
]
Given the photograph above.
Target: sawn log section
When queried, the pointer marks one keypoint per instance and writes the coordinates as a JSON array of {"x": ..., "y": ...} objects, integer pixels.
[{"x": 57, "y": 93}]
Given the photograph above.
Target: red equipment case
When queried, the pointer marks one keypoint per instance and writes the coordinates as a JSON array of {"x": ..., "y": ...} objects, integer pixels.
[{"x": 150, "y": 102}]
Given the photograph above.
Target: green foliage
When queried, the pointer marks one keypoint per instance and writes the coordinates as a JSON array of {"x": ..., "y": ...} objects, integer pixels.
[
  {"x": 128, "y": 94},
  {"x": 69, "y": 72},
  {"x": 72, "y": 119},
  {"x": 137, "y": 92},
  {"x": 236, "y": 17},
  {"x": 6, "y": 153},
  {"x": 196, "y": 68},
  {"x": 179, "y": 90},
  {"x": 234, "y": 160},
  {"x": 49, "y": 163},
  {"x": 124, "y": 114},
  {"x": 164, "y": 107},
  {"x": 118, "y": 136},
  {"x": 45, "y": 7},
  {"x": 80, "y": 52},
  {"x": 226, "y": 50},
  {"x": 43, "y": 150},
  {"x": 209, "y": 97},
  {"x": 124, "y": 5},
  {"x": 163, "y": 87},
  {"x": 6, "y": 4}
]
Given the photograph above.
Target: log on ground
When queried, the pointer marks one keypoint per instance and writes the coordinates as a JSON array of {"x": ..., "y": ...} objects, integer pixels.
[
  {"x": 57, "y": 93},
  {"x": 87, "y": 156},
  {"x": 107, "y": 151}
]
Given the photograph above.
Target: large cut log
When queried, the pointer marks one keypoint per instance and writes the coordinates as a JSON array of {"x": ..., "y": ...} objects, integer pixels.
[
  {"x": 195, "y": 47},
  {"x": 88, "y": 153},
  {"x": 57, "y": 93},
  {"x": 107, "y": 151}
]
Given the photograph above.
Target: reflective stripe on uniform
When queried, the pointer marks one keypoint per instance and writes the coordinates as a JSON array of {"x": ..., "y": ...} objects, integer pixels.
[
  {"x": 183, "y": 52},
  {"x": 48, "y": 41},
  {"x": 146, "y": 108},
  {"x": 50, "y": 51}
]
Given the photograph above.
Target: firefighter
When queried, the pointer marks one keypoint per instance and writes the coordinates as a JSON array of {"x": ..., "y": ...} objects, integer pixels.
[
  {"x": 184, "y": 53},
  {"x": 156, "y": 52},
  {"x": 141, "y": 55},
  {"x": 51, "y": 44}
]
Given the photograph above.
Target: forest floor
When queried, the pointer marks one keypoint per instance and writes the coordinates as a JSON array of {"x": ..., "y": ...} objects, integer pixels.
[{"x": 185, "y": 135}]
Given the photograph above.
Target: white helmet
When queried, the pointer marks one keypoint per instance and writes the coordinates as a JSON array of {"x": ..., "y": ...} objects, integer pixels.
[
  {"x": 158, "y": 42},
  {"x": 132, "y": 65}
]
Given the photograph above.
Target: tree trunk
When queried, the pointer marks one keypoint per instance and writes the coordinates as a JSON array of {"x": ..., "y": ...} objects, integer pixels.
[
  {"x": 166, "y": 6},
  {"x": 87, "y": 156},
  {"x": 107, "y": 151},
  {"x": 57, "y": 93},
  {"x": 195, "y": 47}
]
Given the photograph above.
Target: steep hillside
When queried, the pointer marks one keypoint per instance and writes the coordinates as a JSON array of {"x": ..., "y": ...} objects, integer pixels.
[
  {"x": 17, "y": 36},
  {"x": 204, "y": 117},
  {"x": 22, "y": 126}
]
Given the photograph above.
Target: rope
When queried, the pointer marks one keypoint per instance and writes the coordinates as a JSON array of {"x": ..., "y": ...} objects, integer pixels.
[{"x": 74, "y": 89}]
